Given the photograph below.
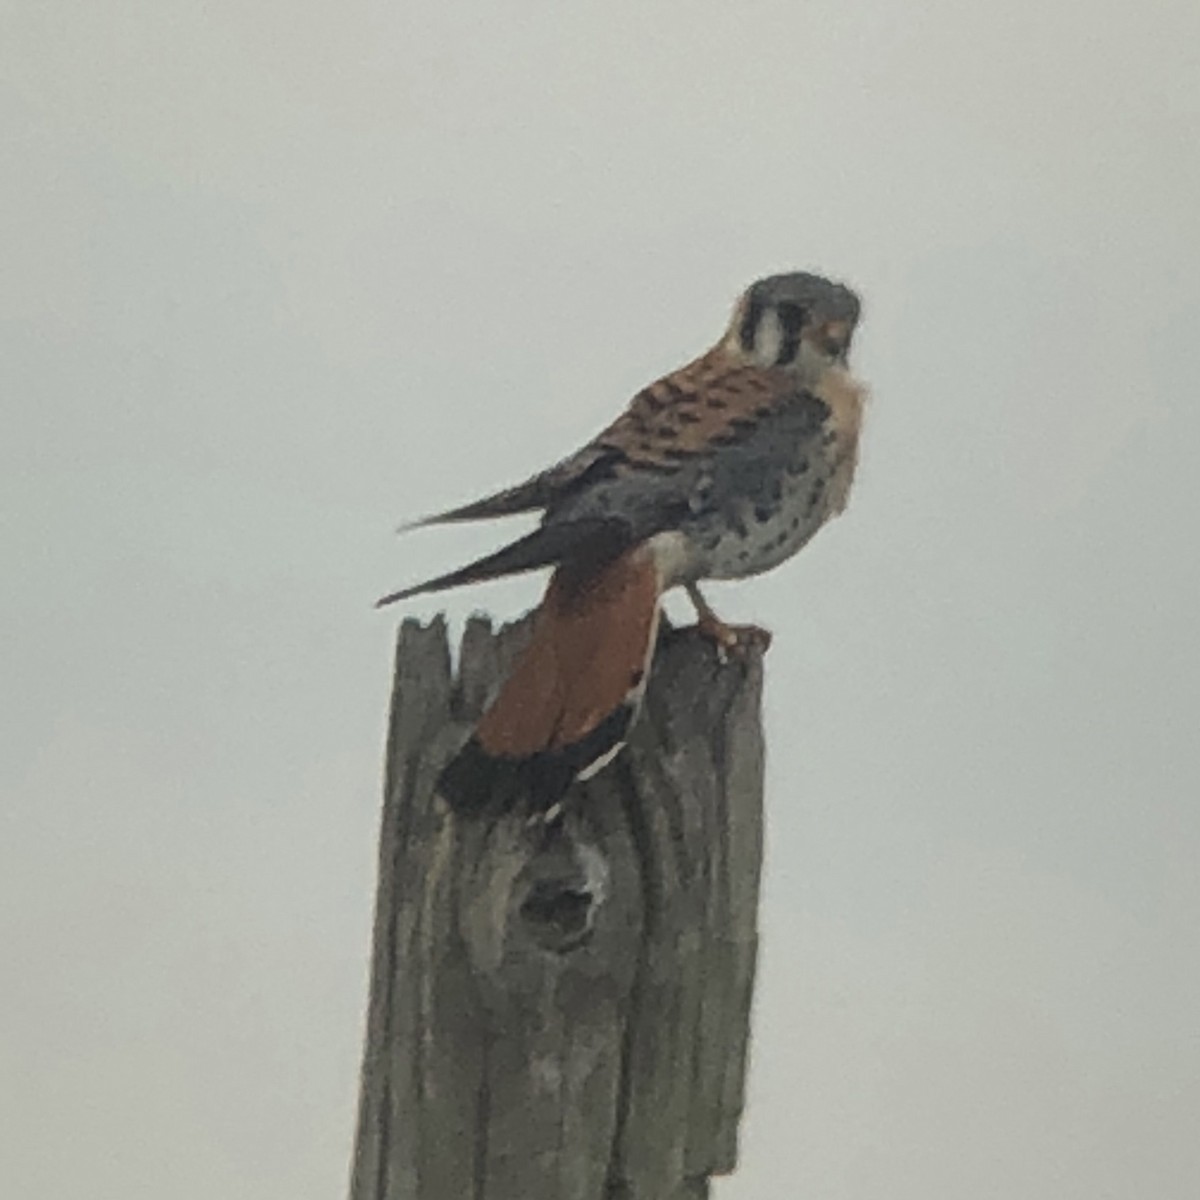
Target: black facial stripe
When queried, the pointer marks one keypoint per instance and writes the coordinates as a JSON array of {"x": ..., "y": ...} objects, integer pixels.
[
  {"x": 792, "y": 318},
  {"x": 750, "y": 320}
]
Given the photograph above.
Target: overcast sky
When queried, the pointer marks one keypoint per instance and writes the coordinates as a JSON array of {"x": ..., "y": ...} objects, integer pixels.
[{"x": 274, "y": 276}]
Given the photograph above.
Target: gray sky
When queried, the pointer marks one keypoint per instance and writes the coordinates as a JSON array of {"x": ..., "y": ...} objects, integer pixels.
[{"x": 275, "y": 276}]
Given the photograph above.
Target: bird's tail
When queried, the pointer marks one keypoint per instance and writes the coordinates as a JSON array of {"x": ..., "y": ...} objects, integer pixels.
[{"x": 573, "y": 693}]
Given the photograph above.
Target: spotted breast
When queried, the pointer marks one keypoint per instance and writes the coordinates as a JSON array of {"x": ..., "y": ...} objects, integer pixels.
[{"x": 762, "y": 498}]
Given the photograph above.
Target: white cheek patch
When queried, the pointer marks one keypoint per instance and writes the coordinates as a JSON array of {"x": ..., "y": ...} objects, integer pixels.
[{"x": 768, "y": 338}]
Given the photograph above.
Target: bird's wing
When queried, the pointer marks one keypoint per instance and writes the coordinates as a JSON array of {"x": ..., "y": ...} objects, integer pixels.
[
  {"x": 725, "y": 435},
  {"x": 695, "y": 409},
  {"x": 687, "y": 442},
  {"x": 534, "y": 493},
  {"x": 587, "y": 538},
  {"x": 681, "y": 414}
]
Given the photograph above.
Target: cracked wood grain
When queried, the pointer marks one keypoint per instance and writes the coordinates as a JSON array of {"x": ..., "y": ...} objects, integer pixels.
[{"x": 563, "y": 1013}]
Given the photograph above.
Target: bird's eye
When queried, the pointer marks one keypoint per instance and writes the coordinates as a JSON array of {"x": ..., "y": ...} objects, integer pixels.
[{"x": 836, "y": 338}]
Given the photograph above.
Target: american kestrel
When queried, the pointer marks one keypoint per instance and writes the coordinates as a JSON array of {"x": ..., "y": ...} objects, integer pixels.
[{"x": 722, "y": 469}]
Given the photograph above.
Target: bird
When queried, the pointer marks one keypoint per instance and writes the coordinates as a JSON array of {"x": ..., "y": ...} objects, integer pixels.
[{"x": 722, "y": 469}]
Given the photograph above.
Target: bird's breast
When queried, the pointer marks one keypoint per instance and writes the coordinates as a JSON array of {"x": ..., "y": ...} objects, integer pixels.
[
  {"x": 774, "y": 512},
  {"x": 846, "y": 399},
  {"x": 754, "y": 532}
]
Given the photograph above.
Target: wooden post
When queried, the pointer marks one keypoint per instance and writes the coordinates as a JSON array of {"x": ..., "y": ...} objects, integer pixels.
[{"x": 563, "y": 1013}]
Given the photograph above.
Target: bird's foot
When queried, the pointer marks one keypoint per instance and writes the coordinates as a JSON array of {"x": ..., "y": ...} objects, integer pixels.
[{"x": 733, "y": 641}]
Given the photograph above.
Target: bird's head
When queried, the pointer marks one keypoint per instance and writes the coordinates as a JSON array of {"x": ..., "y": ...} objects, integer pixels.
[{"x": 796, "y": 321}]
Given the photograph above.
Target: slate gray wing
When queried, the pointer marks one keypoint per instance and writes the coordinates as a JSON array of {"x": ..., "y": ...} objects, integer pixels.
[
  {"x": 537, "y": 492},
  {"x": 733, "y": 481},
  {"x": 747, "y": 463}
]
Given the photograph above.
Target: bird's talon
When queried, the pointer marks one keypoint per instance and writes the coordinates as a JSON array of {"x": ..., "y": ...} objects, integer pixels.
[
  {"x": 754, "y": 637},
  {"x": 733, "y": 641}
]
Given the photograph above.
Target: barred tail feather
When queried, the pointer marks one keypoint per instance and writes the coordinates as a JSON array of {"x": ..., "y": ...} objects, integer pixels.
[{"x": 573, "y": 693}]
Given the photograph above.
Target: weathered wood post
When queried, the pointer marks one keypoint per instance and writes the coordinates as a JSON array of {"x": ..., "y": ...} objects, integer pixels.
[{"x": 562, "y": 1013}]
